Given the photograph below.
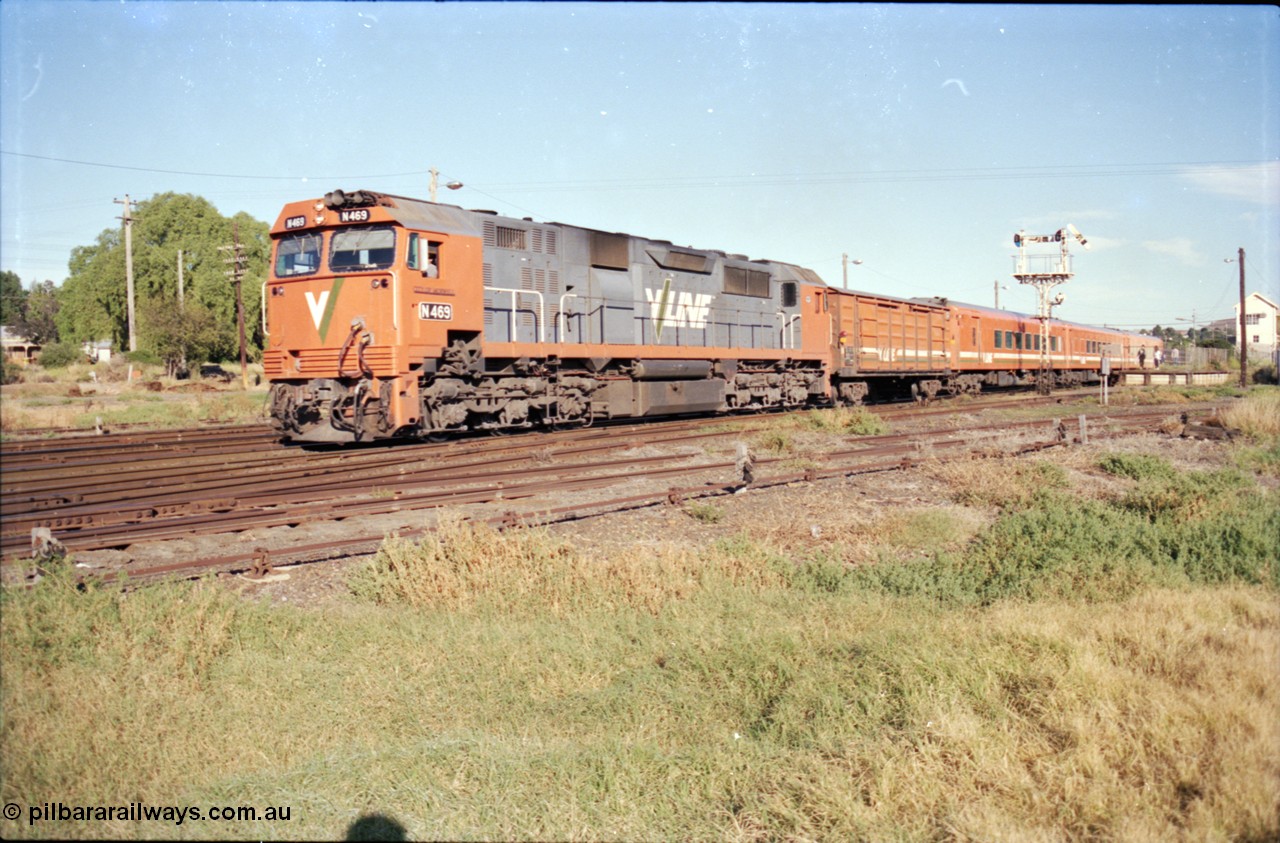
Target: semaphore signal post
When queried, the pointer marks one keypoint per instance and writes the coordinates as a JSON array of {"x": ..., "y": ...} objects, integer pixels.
[{"x": 1044, "y": 271}]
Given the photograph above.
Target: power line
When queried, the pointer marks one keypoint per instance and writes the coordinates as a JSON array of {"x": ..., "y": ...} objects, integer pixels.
[
  {"x": 203, "y": 175},
  {"x": 751, "y": 179}
]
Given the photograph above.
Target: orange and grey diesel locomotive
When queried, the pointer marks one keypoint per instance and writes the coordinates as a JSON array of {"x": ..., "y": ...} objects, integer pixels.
[
  {"x": 389, "y": 316},
  {"x": 395, "y": 317}
]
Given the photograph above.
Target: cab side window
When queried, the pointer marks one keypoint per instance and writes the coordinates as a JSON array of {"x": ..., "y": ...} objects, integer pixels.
[{"x": 424, "y": 255}]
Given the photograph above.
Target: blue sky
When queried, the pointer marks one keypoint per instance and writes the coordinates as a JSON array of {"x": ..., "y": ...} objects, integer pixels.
[{"x": 914, "y": 138}]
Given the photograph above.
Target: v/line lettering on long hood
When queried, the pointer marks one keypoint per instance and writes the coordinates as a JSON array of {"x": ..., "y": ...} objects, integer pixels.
[{"x": 690, "y": 310}]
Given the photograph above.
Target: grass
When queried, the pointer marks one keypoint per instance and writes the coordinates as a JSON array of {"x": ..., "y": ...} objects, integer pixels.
[
  {"x": 853, "y": 421},
  {"x": 783, "y": 435},
  {"x": 1027, "y": 663},
  {"x": 737, "y": 707},
  {"x": 1257, "y": 416},
  {"x": 704, "y": 511},
  {"x": 69, "y": 398}
]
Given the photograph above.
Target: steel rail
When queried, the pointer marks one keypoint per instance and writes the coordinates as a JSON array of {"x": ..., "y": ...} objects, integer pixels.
[
  {"x": 260, "y": 560},
  {"x": 266, "y": 512}
]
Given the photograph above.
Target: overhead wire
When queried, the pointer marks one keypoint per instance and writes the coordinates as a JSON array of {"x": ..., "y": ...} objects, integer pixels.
[{"x": 751, "y": 179}]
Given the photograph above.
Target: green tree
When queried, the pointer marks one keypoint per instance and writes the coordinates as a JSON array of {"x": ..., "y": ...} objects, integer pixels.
[
  {"x": 13, "y": 298},
  {"x": 39, "y": 320},
  {"x": 183, "y": 336},
  {"x": 93, "y": 299}
]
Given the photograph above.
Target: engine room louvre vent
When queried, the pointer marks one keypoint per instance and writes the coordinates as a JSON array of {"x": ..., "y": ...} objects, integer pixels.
[
  {"x": 746, "y": 282},
  {"x": 511, "y": 238},
  {"x": 543, "y": 241},
  {"x": 503, "y": 237},
  {"x": 610, "y": 251},
  {"x": 683, "y": 261}
]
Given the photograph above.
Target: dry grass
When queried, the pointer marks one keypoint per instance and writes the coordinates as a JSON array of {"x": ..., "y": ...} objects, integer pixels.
[
  {"x": 1257, "y": 415},
  {"x": 999, "y": 481},
  {"x": 1100, "y": 679},
  {"x": 744, "y": 710},
  {"x": 463, "y": 565},
  {"x": 75, "y": 402}
]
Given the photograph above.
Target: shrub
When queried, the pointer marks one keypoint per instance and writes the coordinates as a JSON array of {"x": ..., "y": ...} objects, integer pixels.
[
  {"x": 1266, "y": 374},
  {"x": 143, "y": 356},
  {"x": 59, "y": 355},
  {"x": 1173, "y": 528},
  {"x": 1136, "y": 466}
]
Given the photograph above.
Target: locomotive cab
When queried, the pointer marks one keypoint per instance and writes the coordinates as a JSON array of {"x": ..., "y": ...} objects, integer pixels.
[{"x": 360, "y": 295}]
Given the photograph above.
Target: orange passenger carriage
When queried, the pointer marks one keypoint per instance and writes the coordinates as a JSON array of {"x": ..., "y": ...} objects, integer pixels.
[{"x": 1001, "y": 348}]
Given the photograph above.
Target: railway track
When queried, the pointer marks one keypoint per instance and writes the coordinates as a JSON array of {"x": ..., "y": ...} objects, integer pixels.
[{"x": 239, "y": 482}]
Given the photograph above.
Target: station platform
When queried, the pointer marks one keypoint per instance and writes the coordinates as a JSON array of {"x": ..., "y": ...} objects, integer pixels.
[{"x": 1161, "y": 377}]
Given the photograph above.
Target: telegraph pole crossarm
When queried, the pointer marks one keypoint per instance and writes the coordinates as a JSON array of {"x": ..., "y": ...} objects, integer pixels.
[
  {"x": 238, "y": 259},
  {"x": 128, "y": 268}
]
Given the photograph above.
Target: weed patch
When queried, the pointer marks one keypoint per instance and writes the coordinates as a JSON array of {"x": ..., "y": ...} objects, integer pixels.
[
  {"x": 1171, "y": 529},
  {"x": 704, "y": 511},
  {"x": 1257, "y": 415},
  {"x": 463, "y": 566},
  {"x": 853, "y": 421},
  {"x": 1004, "y": 482}
]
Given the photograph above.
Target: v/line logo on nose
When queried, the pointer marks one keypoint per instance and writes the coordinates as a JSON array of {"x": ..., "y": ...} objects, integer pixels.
[{"x": 321, "y": 307}]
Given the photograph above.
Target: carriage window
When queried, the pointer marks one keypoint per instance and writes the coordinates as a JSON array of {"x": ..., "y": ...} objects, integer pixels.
[
  {"x": 1008, "y": 339},
  {"x": 999, "y": 339},
  {"x": 297, "y": 254},
  {"x": 1053, "y": 343},
  {"x": 1017, "y": 340},
  {"x": 362, "y": 248}
]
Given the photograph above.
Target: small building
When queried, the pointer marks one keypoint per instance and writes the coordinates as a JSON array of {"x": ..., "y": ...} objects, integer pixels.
[
  {"x": 98, "y": 351},
  {"x": 1261, "y": 324},
  {"x": 17, "y": 348}
]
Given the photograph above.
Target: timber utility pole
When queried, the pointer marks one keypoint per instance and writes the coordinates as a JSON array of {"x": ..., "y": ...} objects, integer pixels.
[
  {"x": 236, "y": 273},
  {"x": 128, "y": 267},
  {"x": 1244, "y": 346}
]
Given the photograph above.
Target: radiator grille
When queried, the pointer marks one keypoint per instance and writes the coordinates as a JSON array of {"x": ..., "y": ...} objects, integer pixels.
[{"x": 323, "y": 362}]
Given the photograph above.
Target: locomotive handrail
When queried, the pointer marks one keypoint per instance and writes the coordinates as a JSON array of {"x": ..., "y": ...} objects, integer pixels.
[
  {"x": 263, "y": 304},
  {"x": 561, "y": 330},
  {"x": 515, "y": 304},
  {"x": 790, "y": 329}
]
